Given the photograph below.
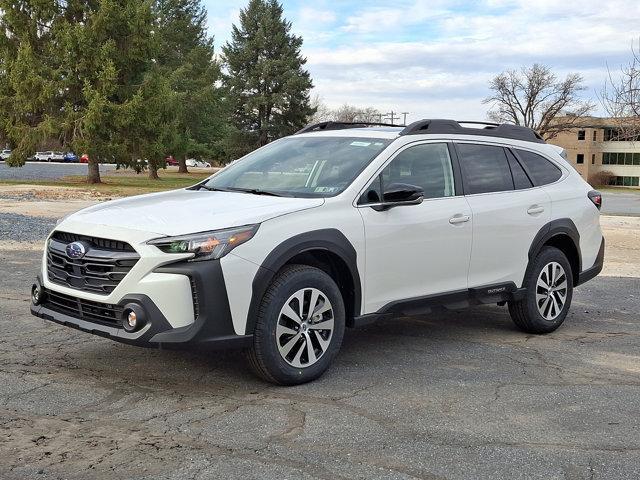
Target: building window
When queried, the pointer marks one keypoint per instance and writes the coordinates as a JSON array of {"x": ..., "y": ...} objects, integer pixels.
[
  {"x": 580, "y": 158},
  {"x": 610, "y": 134},
  {"x": 581, "y": 134},
  {"x": 613, "y": 158},
  {"x": 595, "y": 135},
  {"x": 625, "y": 181},
  {"x": 593, "y": 159}
]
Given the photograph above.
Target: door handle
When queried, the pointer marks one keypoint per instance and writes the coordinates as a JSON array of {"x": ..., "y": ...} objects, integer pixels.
[
  {"x": 457, "y": 219},
  {"x": 535, "y": 209}
]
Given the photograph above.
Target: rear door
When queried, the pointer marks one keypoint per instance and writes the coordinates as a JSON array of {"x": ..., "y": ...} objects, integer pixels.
[{"x": 508, "y": 211}]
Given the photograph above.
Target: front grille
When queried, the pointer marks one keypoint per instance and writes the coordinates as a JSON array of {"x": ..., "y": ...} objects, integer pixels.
[
  {"x": 97, "y": 242},
  {"x": 87, "y": 310},
  {"x": 102, "y": 268}
]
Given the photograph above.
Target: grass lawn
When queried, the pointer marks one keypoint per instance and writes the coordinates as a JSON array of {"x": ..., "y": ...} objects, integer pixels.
[{"x": 121, "y": 184}]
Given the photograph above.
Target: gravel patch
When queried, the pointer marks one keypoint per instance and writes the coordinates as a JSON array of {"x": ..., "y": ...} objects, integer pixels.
[{"x": 23, "y": 228}]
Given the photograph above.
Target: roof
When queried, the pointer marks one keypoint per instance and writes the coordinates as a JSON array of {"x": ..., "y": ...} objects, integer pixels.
[{"x": 431, "y": 127}]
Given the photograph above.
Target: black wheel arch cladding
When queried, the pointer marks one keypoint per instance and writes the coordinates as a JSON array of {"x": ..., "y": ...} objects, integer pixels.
[
  {"x": 332, "y": 241},
  {"x": 559, "y": 233}
]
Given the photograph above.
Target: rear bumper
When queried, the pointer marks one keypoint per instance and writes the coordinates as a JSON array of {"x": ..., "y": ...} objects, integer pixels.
[
  {"x": 594, "y": 271},
  {"x": 213, "y": 326}
]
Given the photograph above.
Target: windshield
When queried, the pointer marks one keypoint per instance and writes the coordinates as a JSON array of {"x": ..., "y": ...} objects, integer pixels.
[{"x": 300, "y": 166}]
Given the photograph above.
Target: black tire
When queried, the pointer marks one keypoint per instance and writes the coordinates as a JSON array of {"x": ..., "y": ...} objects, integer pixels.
[
  {"x": 264, "y": 356},
  {"x": 525, "y": 313}
]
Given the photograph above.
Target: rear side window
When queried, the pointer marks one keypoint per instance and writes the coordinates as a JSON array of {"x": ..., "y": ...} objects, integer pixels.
[
  {"x": 485, "y": 168},
  {"x": 520, "y": 179},
  {"x": 542, "y": 171}
]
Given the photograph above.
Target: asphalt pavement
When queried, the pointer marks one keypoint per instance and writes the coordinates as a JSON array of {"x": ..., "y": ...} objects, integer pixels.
[
  {"x": 621, "y": 203},
  {"x": 46, "y": 171},
  {"x": 456, "y": 395}
]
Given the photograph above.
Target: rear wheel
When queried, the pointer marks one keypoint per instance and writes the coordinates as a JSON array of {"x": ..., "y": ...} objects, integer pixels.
[
  {"x": 549, "y": 283},
  {"x": 299, "y": 328}
]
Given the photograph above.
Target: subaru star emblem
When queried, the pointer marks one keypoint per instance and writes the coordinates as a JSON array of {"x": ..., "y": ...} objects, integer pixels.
[{"x": 76, "y": 250}]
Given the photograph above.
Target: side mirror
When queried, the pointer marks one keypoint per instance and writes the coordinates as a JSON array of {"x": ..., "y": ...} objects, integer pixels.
[{"x": 399, "y": 194}]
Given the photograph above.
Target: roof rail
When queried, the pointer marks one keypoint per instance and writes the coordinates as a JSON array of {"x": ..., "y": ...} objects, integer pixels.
[
  {"x": 505, "y": 130},
  {"x": 331, "y": 125}
]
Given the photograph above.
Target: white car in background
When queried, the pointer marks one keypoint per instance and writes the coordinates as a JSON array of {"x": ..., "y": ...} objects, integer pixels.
[
  {"x": 5, "y": 154},
  {"x": 49, "y": 156},
  {"x": 192, "y": 162}
]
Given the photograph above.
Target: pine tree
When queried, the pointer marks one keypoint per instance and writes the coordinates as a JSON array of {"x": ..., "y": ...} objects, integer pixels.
[
  {"x": 30, "y": 79},
  {"x": 186, "y": 55},
  {"x": 267, "y": 84},
  {"x": 108, "y": 48},
  {"x": 71, "y": 71}
]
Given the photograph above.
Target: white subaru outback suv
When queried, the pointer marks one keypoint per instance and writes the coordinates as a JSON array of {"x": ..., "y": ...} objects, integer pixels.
[{"x": 333, "y": 227}]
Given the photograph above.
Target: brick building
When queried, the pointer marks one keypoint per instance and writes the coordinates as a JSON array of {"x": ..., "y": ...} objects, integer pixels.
[{"x": 595, "y": 147}]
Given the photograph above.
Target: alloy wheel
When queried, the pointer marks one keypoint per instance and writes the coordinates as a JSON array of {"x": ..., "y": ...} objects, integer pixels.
[
  {"x": 551, "y": 291},
  {"x": 305, "y": 327}
]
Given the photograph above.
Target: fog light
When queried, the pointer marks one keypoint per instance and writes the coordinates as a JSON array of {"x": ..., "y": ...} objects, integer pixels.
[
  {"x": 37, "y": 295},
  {"x": 132, "y": 320},
  {"x": 133, "y": 317}
]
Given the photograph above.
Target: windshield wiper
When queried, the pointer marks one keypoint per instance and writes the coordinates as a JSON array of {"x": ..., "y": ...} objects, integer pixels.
[
  {"x": 212, "y": 189},
  {"x": 255, "y": 191}
]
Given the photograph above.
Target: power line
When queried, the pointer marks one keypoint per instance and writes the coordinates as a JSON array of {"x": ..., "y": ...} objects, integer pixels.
[{"x": 391, "y": 116}]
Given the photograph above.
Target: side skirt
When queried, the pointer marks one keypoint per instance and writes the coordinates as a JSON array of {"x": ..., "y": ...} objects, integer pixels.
[{"x": 458, "y": 300}]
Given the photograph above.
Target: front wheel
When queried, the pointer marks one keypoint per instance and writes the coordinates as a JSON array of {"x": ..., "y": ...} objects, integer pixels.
[
  {"x": 549, "y": 283},
  {"x": 300, "y": 326}
]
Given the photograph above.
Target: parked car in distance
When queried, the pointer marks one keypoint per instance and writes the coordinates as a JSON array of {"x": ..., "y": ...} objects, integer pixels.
[
  {"x": 170, "y": 161},
  {"x": 382, "y": 222},
  {"x": 70, "y": 157},
  {"x": 192, "y": 162},
  {"x": 5, "y": 154},
  {"x": 49, "y": 156},
  {"x": 84, "y": 158}
]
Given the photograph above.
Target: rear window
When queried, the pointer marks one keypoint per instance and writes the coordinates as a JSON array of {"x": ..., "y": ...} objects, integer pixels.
[
  {"x": 520, "y": 179},
  {"x": 542, "y": 171},
  {"x": 484, "y": 168}
]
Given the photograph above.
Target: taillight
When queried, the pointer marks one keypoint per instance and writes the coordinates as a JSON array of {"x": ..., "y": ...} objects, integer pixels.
[{"x": 596, "y": 198}]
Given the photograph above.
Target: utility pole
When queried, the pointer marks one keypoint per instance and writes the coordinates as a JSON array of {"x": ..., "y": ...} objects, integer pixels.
[
  {"x": 404, "y": 122},
  {"x": 392, "y": 117}
]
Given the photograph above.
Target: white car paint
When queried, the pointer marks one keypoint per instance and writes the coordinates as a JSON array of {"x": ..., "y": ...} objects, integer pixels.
[
  {"x": 197, "y": 210},
  {"x": 193, "y": 163},
  {"x": 49, "y": 156},
  {"x": 402, "y": 253}
]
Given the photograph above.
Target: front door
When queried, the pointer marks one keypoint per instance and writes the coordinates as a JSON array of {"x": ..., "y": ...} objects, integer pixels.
[{"x": 417, "y": 250}]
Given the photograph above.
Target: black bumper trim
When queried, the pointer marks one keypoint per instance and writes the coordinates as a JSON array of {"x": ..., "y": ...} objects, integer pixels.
[
  {"x": 213, "y": 327},
  {"x": 594, "y": 271}
]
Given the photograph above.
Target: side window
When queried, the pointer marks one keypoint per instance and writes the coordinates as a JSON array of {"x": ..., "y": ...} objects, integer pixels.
[
  {"x": 520, "y": 179},
  {"x": 541, "y": 170},
  {"x": 485, "y": 168},
  {"x": 427, "y": 166}
]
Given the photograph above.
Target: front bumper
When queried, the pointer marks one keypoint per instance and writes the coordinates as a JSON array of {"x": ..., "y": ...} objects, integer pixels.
[{"x": 212, "y": 327}]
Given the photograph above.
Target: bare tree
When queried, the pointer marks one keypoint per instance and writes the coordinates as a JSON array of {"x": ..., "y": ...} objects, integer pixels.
[
  {"x": 345, "y": 113},
  {"x": 533, "y": 97},
  {"x": 323, "y": 112},
  {"x": 620, "y": 98}
]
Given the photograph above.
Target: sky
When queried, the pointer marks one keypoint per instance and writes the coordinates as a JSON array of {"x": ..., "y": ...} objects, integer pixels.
[{"x": 434, "y": 58}]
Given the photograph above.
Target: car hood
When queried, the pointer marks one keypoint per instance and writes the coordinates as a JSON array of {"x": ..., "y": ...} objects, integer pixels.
[{"x": 181, "y": 212}]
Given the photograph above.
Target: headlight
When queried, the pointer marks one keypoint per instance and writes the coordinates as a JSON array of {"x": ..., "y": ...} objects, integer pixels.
[{"x": 207, "y": 245}]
